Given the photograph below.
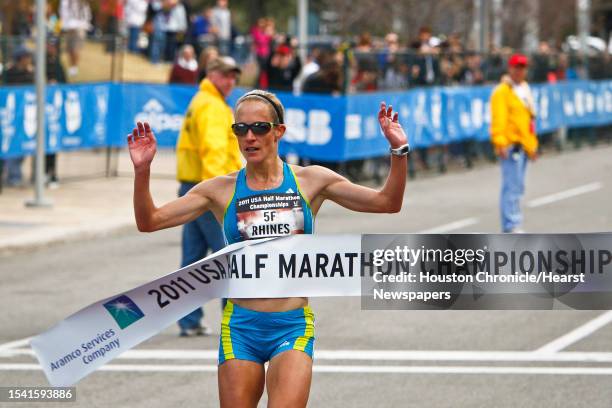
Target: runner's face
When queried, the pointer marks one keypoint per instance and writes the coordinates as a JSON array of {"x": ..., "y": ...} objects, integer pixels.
[{"x": 258, "y": 148}]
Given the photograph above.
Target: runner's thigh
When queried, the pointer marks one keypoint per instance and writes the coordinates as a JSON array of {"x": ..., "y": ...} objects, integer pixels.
[
  {"x": 241, "y": 383},
  {"x": 288, "y": 379}
]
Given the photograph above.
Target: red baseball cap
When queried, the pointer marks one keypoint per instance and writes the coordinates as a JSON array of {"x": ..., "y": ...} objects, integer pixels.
[
  {"x": 518, "y": 60},
  {"x": 283, "y": 49}
]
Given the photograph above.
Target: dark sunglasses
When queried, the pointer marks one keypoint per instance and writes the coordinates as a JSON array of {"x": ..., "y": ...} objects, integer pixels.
[{"x": 258, "y": 128}]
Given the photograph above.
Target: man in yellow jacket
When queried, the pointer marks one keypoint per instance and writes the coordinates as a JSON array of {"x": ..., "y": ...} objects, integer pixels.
[
  {"x": 513, "y": 137},
  {"x": 206, "y": 148}
]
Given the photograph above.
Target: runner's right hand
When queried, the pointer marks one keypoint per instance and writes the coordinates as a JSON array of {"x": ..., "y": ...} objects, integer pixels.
[{"x": 142, "y": 145}]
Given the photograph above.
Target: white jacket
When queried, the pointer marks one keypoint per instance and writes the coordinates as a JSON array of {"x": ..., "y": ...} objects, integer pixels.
[
  {"x": 135, "y": 12},
  {"x": 177, "y": 20},
  {"x": 75, "y": 15}
]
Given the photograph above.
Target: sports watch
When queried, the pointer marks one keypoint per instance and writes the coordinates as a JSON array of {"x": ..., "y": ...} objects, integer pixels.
[{"x": 400, "y": 151}]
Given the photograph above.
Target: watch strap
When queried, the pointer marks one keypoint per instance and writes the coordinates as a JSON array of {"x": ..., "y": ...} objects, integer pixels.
[{"x": 400, "y": 151}]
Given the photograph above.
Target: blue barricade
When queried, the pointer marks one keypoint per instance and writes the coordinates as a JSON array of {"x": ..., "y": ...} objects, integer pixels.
[{"x": 320, "y": 127}]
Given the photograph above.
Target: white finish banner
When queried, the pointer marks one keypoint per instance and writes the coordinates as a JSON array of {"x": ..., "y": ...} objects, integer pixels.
[
  {"x": 400, "y": 272},
  {"x": 294, "y": 266}
]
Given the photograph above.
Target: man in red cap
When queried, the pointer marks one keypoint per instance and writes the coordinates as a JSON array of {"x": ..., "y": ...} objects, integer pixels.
[{"x": 513, "y": 137}]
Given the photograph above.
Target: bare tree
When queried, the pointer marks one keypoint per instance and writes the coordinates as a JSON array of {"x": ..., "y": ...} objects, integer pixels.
[
  {"x": 376, "y": 16},
  {"x": 557, "y": 20}
]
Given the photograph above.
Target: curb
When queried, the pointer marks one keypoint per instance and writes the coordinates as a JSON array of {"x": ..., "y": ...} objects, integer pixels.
[{"x": 55, "y": 236}]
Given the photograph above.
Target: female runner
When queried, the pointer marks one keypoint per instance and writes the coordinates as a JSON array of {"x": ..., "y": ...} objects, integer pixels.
[{"x": 255, "y": 331}]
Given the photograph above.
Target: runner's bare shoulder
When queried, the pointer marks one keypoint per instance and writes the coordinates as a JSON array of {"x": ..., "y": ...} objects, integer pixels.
[
  {"x": 314, "y": 174},
  {"x": 313, "y": 180},
  {"x": 307, "y": 171}
]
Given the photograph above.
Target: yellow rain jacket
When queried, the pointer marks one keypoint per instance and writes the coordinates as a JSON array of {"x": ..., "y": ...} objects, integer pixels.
[
  {"x": 512, "y": 120},
  {"x": 206, "y": 146}
]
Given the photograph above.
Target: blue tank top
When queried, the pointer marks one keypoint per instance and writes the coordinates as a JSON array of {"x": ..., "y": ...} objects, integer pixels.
[{"x": 254, "y": 214}]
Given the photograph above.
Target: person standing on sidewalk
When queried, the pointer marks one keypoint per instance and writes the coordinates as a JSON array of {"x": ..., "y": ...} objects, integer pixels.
[
  {"x": 513, "y": 137},
  {"x": 56, "y": 74},
  {"x": 20, "y": 72},
  {"x": 222, "y": 22},
  {"x": 135, "y": 16},
  {"x": 206, "y": 148},
  {"x": 76, "y": 21}
]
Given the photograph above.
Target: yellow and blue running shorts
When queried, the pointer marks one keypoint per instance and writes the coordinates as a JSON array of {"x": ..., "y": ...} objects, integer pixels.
[{"x": 259, "y": 336}]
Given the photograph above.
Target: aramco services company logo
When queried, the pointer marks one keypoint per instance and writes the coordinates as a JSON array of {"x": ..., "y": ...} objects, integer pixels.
[{"x": 124, "y": 311}]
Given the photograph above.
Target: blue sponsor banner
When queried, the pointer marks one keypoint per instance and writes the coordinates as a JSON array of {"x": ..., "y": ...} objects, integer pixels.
[
  {"x": 468, "y": 113},
  {"x": 320, "y": 127},
  {"x": 76, "y": 118},
  {"x": 312, "y": 121},
  {"x": 585, "y": 103},
  {"x": 315, "y": 126},
  {"x": 421, "y": 113},
  {"x": 163, "y": 106}
]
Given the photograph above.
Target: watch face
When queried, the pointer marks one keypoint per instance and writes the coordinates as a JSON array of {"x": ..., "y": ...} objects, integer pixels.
[{"x": 400, "y": 151}]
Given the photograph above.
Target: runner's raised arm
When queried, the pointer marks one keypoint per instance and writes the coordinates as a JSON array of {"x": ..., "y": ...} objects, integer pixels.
[
  {"x": 143, "y": 146},
  {"x": 328, "y": 185}
]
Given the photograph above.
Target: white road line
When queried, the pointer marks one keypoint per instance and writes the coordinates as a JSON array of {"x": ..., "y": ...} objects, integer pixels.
[
  {"x": 577, "y": 334},
  {"x": 354, "y": 369},
  {"x": 562, "y": 195},
  {"x": 465, "y": 370},
  {"x": 15, "y": 344},
  {"x": 443, "y": 355},
  {"x": 372, "y": 355},
  {"x": 452, "y": 226}
]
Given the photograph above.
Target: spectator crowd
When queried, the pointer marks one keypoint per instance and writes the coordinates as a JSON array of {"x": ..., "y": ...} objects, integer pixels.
[{"x": 175, "y": 32}]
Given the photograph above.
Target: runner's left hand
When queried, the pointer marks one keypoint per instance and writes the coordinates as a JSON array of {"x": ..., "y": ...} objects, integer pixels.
[{"x": 390, "y": 126}]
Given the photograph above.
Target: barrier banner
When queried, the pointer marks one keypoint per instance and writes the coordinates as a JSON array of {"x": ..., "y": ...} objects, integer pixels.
[
  {"x": 388, "y": 271},
  {"x": 162, "y": 105},
  {"x": 76, "y": 117},
  {"x": 319, "y": 127}
]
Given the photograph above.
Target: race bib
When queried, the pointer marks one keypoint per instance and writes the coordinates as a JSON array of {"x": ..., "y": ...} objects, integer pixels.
[{"x": 270, "y": 215}]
